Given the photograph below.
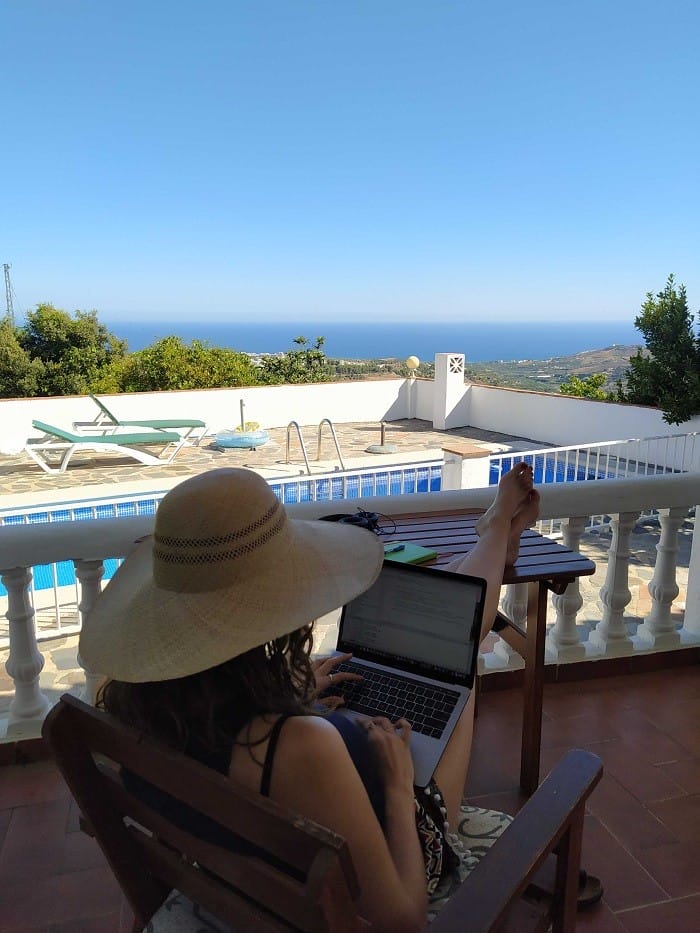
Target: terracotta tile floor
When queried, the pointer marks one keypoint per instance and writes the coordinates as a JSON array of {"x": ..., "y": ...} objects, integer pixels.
[{"x": 643, "y": 825}]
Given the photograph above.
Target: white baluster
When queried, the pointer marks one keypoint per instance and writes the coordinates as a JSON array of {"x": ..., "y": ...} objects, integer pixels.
[
  {"x": 514, "y": 604},
  {"x": 25, "y": 662},
  {"x": 611, "y": 633},
  {"x": 563, "y": 639},
  {"x": 691, "y": 621},
  {"x": 658, "y": 629},
  {"x": 89, "y": 574}
]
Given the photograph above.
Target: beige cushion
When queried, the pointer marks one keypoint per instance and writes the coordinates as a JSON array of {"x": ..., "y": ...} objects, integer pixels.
[
  {"x": 476, "y": 832},
  {"x": 181, "y": 915}
]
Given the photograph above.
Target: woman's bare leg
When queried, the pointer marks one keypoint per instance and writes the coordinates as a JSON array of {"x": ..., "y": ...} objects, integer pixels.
[
  {"x": 515, "y": 508},
  {"x": 499, "y": 532},
  {"x": 525, "y": 517}
]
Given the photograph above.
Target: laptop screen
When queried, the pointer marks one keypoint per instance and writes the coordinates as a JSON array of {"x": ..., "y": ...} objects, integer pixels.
[{"x": 418, "y": 619}]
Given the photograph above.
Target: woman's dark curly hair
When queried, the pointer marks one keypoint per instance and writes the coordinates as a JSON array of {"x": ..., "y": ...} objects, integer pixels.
[{"x": 210, "y": 708}]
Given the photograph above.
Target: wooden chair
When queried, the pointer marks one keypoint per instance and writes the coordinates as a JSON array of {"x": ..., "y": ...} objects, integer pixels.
[{"x": 304, "y": 878}]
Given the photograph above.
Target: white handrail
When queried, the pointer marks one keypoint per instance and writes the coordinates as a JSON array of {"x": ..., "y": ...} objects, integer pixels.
[
  {"x": 27, "y": 545},
  {"x": 335, "y": 440},
  {"x": 619, "y": 458}
]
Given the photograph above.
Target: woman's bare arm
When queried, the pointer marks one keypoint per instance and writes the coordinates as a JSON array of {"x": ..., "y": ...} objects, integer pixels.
[{"x": 314, "y": 775}]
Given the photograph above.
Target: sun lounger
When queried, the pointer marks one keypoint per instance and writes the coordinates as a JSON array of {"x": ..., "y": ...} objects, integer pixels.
[
  {"x": 107, "y": 423},
  {"x": 53, "y": 451}
]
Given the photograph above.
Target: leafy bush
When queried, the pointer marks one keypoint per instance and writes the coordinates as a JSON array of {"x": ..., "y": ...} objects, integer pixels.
[
  {"x": 667, "y": 375},
  {"x": 171, "y": 364}
]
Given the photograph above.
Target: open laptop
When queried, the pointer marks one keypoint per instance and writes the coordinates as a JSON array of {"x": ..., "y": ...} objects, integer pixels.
[{"x": 414, "y": 636}]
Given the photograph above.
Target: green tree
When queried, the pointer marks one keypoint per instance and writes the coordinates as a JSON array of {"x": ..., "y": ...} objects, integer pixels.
[
  {"x": 172, "y": 364},
  {"x": 20, "y": 375},
  {"x": 590, "y": 387},
  {"x": 667, "y": 375},
  {"x": 307, "y": 364},
  {"x": 76, "y": 352}
]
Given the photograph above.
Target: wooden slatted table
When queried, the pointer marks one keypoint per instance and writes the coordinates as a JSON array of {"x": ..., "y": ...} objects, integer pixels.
[{"x": 545, "y": 565}]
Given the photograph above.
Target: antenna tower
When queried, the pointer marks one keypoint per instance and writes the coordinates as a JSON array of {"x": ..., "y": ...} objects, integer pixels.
[{"x": 10, "y": 313}]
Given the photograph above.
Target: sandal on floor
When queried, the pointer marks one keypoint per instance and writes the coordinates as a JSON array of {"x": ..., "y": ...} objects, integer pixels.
[{"x": 590, "y": 891}]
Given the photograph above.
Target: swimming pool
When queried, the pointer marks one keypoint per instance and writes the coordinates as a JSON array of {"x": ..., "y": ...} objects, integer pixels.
[
  {"x": 355, "y": 485},
  {"x": 390, "y": 481},
  {"x": 401, "y": 480}
]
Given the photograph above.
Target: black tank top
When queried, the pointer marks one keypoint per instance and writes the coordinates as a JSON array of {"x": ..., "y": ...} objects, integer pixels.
[
  {"x": 270, "y": 756},
  {"x": 198, "y": 824}
]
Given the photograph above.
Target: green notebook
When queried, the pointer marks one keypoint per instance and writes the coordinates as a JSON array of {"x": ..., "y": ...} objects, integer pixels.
[{"x": 405, "y": 553}]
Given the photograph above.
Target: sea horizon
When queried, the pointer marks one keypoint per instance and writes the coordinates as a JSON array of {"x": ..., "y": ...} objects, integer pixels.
[{"x": 479, "y": 341}]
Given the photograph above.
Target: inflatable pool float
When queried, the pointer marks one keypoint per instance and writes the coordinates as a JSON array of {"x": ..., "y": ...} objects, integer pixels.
[{"x": 242, "y": 439}]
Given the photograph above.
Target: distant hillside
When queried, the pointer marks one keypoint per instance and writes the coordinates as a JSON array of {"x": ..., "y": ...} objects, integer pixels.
[
  {"x": 543, "y": 375},
  {"x": 547, "y": 375}
]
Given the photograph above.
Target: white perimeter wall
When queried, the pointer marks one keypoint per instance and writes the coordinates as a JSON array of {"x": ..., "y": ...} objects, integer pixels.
[
  {"x": 271, "y": 406},
  {"x": 423, "y": 399},
  {"x": 552, "y": 419},
  {"x": 560, "y": 420}
]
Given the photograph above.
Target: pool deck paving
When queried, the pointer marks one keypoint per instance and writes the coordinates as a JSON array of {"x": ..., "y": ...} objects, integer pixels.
[{"x": 22, "y": 481}]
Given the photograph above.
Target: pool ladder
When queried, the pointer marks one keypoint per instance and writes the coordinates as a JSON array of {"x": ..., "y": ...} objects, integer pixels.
[{"x": 295, "y": 425}]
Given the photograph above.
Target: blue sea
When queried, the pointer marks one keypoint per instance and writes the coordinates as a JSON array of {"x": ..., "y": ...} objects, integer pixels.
[{"x": 480, "y": 342}]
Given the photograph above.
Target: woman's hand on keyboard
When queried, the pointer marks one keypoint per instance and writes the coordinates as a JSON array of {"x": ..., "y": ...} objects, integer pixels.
[
  {"x": 390, "y": 743},
  {"x": 328, "y": 678}
]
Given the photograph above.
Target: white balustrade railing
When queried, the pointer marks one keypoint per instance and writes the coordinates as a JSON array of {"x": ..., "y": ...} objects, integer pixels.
[
  {"x": 56, "y": 597},
  {"x": 88, "y": 544},
  {"x": 619, "y": 459},
  {"x": 647, "y": 456},
  {"x": 56, "y": 604}
]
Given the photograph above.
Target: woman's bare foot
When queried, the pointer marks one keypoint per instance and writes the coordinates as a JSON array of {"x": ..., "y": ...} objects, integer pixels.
[
  {"x": 525, "y": 517},
  {"x": 513, "y": 490}
]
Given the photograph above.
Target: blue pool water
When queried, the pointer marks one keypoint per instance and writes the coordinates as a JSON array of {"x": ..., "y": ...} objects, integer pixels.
[
  {"x": 547, "y": 470},
  {"x": 396, "y": 482},
  {"x": 386, "y": 483},
  {"x": 64, "y": 572},
  {"x": 390, "y": 482}
]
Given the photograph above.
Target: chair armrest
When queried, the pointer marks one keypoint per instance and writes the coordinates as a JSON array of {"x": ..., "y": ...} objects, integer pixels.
[
  {"x": 482, "y": 901},
  {"x": 94, "y": 427}
]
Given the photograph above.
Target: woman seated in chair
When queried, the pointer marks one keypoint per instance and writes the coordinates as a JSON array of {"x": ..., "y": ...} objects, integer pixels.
[{"x": 205, "y": 634}]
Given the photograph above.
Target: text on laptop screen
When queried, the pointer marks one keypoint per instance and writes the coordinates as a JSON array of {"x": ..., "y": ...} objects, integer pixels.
[{"x": 427, "y": 617}]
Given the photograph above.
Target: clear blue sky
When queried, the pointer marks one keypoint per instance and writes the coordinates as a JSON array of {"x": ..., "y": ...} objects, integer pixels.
[{"x": 416, "y": 159}]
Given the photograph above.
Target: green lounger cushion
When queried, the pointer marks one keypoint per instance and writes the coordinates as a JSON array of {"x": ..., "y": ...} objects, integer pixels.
[
  {"x": 165, "y": 423},
  {"x": 154, "y": 423},
  {"x": 142, "y": 437}
]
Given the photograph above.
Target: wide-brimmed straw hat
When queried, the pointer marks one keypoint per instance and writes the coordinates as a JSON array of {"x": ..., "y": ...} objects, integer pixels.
[{"x": 226, "y": 570}]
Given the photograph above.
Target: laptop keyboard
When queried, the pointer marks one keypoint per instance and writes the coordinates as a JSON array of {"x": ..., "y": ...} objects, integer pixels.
[{"x": 426, "y": 707}]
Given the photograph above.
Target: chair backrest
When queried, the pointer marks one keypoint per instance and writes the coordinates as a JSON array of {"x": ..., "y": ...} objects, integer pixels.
[
  {"x": 305, "y": 881},
  {"x": 54, "y": 431},
  {"x": 104, "y": 410}
]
